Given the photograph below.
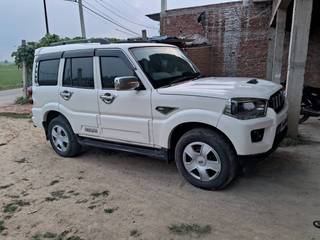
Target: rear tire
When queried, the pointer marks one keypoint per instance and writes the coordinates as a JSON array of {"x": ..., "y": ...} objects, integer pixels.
[
  {"x": 206, "y": 159},
  {"x": 62, "y": 138}
]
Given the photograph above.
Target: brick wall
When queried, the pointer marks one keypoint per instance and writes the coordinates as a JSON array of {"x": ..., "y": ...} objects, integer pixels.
[
  {"x": 201, "y": 56},
  {"x": 238, "y": 36}
]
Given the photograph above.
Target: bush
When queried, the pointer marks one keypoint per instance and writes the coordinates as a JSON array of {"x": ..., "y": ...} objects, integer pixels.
[{"x": 22, "y": 100}]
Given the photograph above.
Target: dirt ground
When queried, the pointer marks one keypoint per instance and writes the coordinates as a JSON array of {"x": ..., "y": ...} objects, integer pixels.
[{"x": 104, "y": 195}]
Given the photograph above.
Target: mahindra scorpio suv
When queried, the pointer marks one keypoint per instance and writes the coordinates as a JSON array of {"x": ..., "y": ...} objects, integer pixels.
[{"x": 151, "y": 99}]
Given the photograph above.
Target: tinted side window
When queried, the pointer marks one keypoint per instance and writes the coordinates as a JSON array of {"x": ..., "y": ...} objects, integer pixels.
[
  {"x": 78, "y": 72},
  {"x": 67, "y": 76},
  {"x": 48, "y": 72},
  {"x": 112, "y": 67}
]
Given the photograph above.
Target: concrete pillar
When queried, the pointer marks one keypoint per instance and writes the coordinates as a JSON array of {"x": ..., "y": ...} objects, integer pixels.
[
  {"x": 164, "y": 7},
  {"x": 278, "y": 45},
  {"x": 302, "y": 11},
  {"x": 270, "y": 53}
]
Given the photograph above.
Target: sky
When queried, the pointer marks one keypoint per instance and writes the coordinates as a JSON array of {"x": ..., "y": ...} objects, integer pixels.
[{"x": 24, "y": 19}]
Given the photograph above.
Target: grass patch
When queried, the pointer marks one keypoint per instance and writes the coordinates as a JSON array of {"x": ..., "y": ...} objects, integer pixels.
[
  {"x": 15, "y": 115},
  {"x": 187, "y": 229},
  {"x": 10, "y": 208},
  {"x": 55, "y": 236},
  {"x": 10, "y": 76},
  {"x": 100, "y": 194},
  {"x": 291, "y": 142},
  {"x": 14, "y": 206},
  {"x": 49, "y": 235},
  {"x": 2, "y": 227},
  {"x": 57, "y": 195},
  {"x": 110, "y": 210},
  {"x": 22, "y": 100}
]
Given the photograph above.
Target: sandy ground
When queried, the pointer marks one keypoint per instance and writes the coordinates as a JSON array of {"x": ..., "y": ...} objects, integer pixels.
[{"x": 280, "y": 199}]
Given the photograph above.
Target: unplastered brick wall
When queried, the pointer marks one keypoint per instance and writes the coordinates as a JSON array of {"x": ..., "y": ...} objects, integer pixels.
[
  {"x": 237, "y": 34},
  {"x": 201, "y": 57}
]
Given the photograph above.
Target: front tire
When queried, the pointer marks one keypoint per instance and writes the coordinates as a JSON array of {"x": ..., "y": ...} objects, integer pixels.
[
  {"x": 206, "y": 159},
  {"x": 62, "y": 138}
]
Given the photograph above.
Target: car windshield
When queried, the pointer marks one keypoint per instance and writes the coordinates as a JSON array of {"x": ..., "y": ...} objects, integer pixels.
[{"x": 165, "y": 66}]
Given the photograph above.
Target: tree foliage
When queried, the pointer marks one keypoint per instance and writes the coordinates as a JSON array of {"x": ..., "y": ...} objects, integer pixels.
[{"x": 27, "y": 52}]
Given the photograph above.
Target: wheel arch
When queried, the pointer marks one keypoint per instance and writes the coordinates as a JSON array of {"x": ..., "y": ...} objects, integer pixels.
[
  {"x": 48, "y": 117},
  {"x": 178, "y": 131}
]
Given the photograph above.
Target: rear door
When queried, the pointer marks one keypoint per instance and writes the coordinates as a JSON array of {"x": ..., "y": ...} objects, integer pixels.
[
  {"x": 78, "y": 95},
  {"x": 45, "y": 84},
  {"x": 126, "y": 116}
]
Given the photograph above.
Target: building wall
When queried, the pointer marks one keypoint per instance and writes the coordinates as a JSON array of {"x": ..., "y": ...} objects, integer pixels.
[
  {"x": 238, "y": 36},
  {"x": 202, "y": 57},
  {"x": 312, "y": 74}
]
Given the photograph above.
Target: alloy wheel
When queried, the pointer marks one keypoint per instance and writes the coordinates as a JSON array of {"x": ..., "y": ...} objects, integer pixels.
[
  {"x": 201, "y": 161},
  {"x": 60, "y": 138}
]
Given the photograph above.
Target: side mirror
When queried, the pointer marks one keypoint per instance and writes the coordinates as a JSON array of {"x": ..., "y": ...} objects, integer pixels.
[{"x": 126, "y": 83}]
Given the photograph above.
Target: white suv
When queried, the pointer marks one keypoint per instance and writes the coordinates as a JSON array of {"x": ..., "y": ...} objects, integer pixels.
[{"x": 151, "y": 99}]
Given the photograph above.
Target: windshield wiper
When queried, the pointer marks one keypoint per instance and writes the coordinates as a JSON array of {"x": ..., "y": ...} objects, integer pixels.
[{"x": 184, "y": 77}]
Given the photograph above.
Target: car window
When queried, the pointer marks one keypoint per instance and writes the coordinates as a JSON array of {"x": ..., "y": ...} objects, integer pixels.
[
  {"x": 112, "y": 67},
  {"x": 67, "y": 76},
  {"x": 78, "y": 72},
  {"x": 48, "y": 72}
]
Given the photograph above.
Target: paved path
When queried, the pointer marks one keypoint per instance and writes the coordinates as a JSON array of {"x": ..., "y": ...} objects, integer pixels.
[{"x": 8, "y": 96}]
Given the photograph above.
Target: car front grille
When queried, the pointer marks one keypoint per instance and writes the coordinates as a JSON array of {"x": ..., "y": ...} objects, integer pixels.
[{"x": 276, "y": 101}]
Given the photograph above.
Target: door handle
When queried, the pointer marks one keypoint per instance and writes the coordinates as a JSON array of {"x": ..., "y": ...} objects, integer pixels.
[
  {"x": 108, "y": 98},
  {"x": 66, "y": 95}
]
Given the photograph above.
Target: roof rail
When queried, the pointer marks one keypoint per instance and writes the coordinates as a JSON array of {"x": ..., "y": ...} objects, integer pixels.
[{"x": 91, "y": 40}]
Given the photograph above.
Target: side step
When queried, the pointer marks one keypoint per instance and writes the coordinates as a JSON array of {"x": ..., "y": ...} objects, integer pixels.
[{"x": 161, "y": 154}]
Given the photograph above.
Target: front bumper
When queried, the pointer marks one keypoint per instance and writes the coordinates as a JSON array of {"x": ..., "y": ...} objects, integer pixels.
[{"x": 239, "y": 132}]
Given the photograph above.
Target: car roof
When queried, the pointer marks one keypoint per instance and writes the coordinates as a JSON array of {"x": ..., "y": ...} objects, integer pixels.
[{"x": 84, "y": 46}]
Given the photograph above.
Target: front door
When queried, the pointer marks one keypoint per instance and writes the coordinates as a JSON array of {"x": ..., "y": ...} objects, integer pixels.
[{"x": 124, "y": 115}]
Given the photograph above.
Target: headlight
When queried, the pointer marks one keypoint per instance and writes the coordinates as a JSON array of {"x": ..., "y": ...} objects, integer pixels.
[{"x": 246, "y": 108}]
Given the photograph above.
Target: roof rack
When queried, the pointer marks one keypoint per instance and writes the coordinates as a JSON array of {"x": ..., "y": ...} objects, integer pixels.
[{"x": 92, "y": 40}]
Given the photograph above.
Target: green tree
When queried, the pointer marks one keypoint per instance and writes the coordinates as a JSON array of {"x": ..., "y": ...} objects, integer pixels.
[{"x": 27, "y": 51}]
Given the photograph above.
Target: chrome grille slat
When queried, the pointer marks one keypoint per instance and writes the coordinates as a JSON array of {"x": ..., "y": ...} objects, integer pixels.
[{"x": 276, "y": 101}]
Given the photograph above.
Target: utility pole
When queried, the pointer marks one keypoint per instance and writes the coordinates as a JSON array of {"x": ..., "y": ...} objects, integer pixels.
[
  {"x": 144, "y": 35},
  {"x": 83, "y": 30},
  {"x": 46, "y": 16},
  {"x": 24, "y": 71}
]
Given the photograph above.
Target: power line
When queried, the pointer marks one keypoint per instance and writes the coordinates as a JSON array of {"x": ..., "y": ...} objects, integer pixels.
[
  {"x": 103, "y": 4},
  {"x": 109, "y": 20},
  {"x": 93, "y": 8},
  {"x": 126, "y": 3}
]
